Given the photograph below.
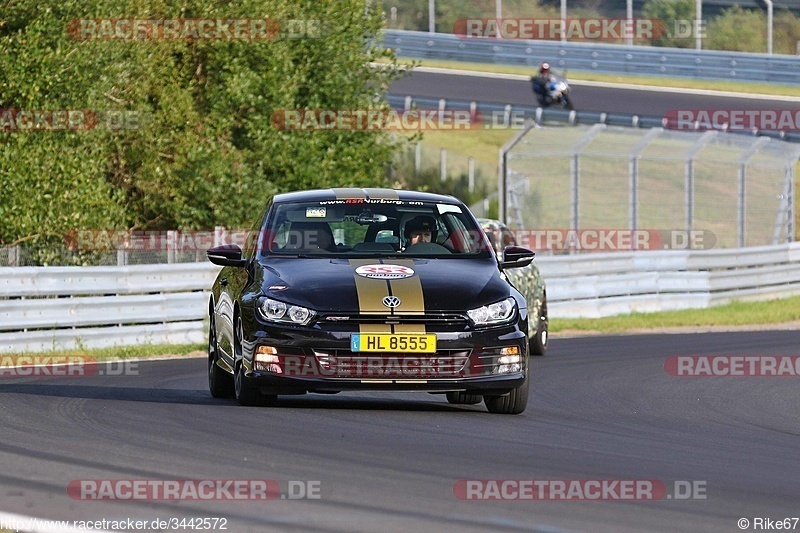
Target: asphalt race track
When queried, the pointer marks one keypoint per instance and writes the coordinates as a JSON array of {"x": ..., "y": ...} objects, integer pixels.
[
  {"x": 586, "y": 98},
  {"x": 601, "y": 408}
]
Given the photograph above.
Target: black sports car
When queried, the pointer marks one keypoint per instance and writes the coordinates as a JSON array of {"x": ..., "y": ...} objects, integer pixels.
[{"x": 368, "y": 289}]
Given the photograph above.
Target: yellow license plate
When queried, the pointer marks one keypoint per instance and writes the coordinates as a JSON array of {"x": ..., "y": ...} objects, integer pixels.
[{"x": 393, "y": 342}]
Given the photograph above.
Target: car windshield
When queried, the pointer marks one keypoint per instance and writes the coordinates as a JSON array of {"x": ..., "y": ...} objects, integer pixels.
[{"x": 359, "y": 227}]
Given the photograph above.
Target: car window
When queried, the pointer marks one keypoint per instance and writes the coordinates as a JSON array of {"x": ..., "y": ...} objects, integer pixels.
[{"x": 361, "y": 227}]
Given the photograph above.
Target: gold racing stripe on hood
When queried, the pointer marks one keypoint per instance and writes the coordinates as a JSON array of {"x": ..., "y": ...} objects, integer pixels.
[
  {"x": 409, "y": 290},
  {"x": 370, "y": 291}
]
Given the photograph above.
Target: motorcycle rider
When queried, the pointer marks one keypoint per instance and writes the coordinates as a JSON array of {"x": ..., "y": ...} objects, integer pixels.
[{"x": 541, "y": 82}]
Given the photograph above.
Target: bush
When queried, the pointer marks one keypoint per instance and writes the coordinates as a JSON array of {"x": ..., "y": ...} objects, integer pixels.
[
  {"x": 738, "y": 30},
  {"x": 207, "y": 153},
  {"x": 668, "y": 12}
]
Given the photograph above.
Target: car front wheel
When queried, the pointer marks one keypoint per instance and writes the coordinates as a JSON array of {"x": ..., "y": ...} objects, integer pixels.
[
  {"x": 220, "y": 383},
  {"x": 511, "y": 403},
  {"x": 245, "y": 394}
]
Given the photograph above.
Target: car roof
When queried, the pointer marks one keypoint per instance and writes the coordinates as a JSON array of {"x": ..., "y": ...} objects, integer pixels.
[{"x": 367, "y": 193}]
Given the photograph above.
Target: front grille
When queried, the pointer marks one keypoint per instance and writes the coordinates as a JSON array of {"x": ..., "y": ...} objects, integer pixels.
[
  {"x": 442, "y": 364},
  {"x": 449, "y": 321}
]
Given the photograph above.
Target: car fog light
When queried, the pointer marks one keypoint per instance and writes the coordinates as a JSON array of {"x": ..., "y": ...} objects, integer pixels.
[
  {"x": 267, "y": 354},
  {"x": 266, "y": 360},
  {"x": 509, "y": 359},
  {"x": 508, "y": 369}
]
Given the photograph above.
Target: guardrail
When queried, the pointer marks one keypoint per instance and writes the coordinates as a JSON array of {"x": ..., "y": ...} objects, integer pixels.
[
  {"x": 498, "y": 115},
  {"x": 44, "y": 308},
  {"x": 597, "y": 285},
  {"x": 594, "y": 57}
]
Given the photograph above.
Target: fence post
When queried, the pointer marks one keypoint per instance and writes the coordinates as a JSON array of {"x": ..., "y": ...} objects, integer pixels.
[
  {"x": 502, "y": 168},
  {"x": 172, "y": 244},
  {"x": 742, "y": 202},
  {"x": 575, "y": 172},
  {"x": 13, "y": 256},
  {"x": 574, "y": 190},
  {"x": 471, "y": 173},
  {"x": 690, "y": 155},
  {"x": 633, "y": 174},
  {"x": 417, "y": 158},
  {"x": 790, "y": 187}
]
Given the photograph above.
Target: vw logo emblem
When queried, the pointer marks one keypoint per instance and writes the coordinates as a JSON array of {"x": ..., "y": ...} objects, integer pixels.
[{"x": 391, "y": 301}]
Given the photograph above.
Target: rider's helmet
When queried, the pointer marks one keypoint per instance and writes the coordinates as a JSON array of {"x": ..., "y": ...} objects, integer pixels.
[{"x": 544, "y": 68}]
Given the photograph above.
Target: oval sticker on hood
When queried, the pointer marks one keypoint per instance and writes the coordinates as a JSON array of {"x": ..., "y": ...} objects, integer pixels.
[{"x": 385, "y": 271}]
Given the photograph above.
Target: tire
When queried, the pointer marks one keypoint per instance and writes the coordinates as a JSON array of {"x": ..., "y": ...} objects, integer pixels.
[
  {"x": 220, "y": 383},
  {"x": 538, "y": 343},
  {"x": 245, "y": 394},
  {"x": 512, "y": 403},
  {"x": 463, "y": 398},
  {"x": 566, "y": 102}
]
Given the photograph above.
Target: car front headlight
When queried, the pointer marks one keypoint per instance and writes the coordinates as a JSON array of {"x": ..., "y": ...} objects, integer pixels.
[
  {"x": 277, "y": 311},
  {"x": 495, "y": 313}
]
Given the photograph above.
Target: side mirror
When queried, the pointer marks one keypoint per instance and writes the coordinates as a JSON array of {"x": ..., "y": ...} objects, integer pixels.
[
  {"x": 227, "y": 255},
  {"x": 516, "y": 257}
]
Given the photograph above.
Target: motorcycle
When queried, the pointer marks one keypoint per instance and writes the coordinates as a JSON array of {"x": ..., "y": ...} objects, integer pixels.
[{"x": 556, "y": 92}]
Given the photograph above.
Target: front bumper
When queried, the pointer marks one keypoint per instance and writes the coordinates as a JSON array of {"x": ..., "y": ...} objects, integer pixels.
[{"x": 487, "y": 361}]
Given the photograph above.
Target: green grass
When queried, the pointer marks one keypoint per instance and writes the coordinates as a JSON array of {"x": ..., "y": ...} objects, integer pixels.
[
  {"x": 483, "y": 145},
  {"x": 734, "y": 314},
  {"x": 721, "y": 85},
  {"x": 120, "y": 352}
]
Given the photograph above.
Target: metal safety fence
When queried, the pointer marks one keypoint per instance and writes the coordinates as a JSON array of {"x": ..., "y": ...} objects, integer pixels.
[
  {"x": 737, "y": 190},
  {"x": 51, "y": 308},
  {"x": 597, "y": 57}
]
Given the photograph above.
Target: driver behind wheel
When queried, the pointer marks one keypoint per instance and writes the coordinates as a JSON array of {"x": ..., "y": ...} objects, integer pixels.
[{"x": 420, "y": 229}]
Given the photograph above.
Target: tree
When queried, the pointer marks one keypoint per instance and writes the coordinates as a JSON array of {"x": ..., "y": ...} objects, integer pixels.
[
  {"x": 668, "y": 13},
  {"x": 737, "y": 29},
  {"x": 201, "y": 149}
]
